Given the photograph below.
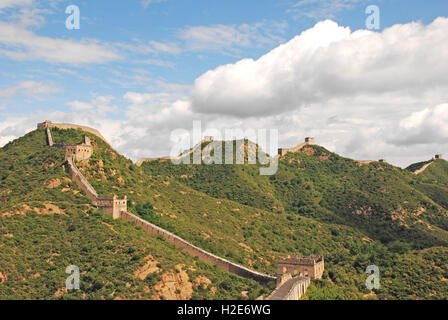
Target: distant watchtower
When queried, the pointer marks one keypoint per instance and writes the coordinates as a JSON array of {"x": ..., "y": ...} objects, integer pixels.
[
  {"x": 208, "y": 139},
  {"x": 309, "y": 140},
  {"x": 45, "y": 124},
  {"x": 283, "y": 151},
  {"x": 438, "y": 156}
]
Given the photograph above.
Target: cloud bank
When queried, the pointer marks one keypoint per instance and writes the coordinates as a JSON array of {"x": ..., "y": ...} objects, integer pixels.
[{"x": 325, "y": 62}]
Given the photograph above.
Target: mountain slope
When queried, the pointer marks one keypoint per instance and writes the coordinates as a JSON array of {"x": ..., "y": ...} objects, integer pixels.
[
  {"x": 47, "y": 224},
  {"x": 374, "y": 211},
  {"x": 354, "y": 214}
]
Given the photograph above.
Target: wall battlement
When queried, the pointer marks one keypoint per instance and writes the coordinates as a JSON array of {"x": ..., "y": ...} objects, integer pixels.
[
  {"x": 66, "y": 126},
  {"x": 112, "y": 206},
  {"x": 195, "y": 251},
  {"x": 284, "y": 151},
  {"x": 312, "y": 266}
]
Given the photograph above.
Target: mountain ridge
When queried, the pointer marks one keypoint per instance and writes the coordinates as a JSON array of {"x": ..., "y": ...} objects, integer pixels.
[{"x": 271, "y": 220}]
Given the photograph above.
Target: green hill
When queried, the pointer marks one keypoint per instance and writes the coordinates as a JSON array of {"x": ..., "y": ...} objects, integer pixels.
[
  {"x": 318, "y": 203},
  {"x": 364, "y": 214},
  {"x": 47, "y": 224}
]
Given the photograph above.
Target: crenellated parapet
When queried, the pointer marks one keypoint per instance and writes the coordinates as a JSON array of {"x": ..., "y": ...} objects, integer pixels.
[
  {"x": 284, "y": 151},
  {"x": 112, "y": 205},
  {"x": 311, "y": 266}
]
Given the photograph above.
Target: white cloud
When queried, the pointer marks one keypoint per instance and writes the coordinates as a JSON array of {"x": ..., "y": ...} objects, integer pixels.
[
  {"x": 151, "y": 47},
  {"x": 29, "y": 88},
  {"x": 228, "y": 38},
  {"x": 23, "y": 44},
  {"x": 326, "y": 62},
  {"x": 361, "y": 94},
  {"x": 159, "y": 63},
  {"x": 146, "y": 3},
  {"x": 428, "y": 126},
  {"x": 318, "y": 9},
  {"x": 100, "y": 105},
  {"x": 14, "y": 3}
]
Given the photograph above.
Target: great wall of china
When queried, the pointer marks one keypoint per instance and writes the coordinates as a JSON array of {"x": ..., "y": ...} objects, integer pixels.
[
  {"x": 140, "y": 162},
  {"x": 294, "y": 273}
]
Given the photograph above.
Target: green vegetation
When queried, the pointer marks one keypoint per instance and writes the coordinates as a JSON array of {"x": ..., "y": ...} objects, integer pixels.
[
  {"x": 354, "y": 214},
  {"x": 37, "y": 244}
]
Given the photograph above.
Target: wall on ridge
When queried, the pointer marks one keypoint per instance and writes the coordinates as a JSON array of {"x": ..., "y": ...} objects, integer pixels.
[
  {"x": 80, "y": 180},
  {"x": 417, "y": 172},
  {"x": 195, "y": 251},
  {"x": 49, "y": 124},
  {"x": 284, "y": 151}
]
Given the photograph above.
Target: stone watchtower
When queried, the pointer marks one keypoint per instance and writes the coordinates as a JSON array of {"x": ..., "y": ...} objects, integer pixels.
[
  {"x": 283, "y": 151},
  {"x": 79, "y": 151},
  {"x": 438, "y": 156},
  {"x": 112, "y": 206},
  {"x": 45, "y": 124},
  {"x": 309, "y": 140},
  {"x": 296, "y": 265}
]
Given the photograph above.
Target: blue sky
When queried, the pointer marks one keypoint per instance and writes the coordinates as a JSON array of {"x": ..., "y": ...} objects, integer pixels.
[{"x": 143, "y": 57}]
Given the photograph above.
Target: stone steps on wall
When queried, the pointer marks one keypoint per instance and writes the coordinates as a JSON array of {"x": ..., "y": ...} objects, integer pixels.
[{"x": 292, "y": 289}]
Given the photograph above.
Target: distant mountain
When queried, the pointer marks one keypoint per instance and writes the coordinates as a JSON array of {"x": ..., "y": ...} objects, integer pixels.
[{"x": 355, "y": 214}]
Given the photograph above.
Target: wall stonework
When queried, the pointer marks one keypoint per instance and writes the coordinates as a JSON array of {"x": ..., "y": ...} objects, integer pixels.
[
  {"x": 65, "y": 126},
  {"x": 110, "y": 205},
  {"x": 312, "y": 266},
  {"x": 195, "y": 251},
  {"x": 81, "y": 181},
  {"x": 80, "y": 151},
  {"x": 284, "y": 151},
  {"x": 292, "y": 289}
]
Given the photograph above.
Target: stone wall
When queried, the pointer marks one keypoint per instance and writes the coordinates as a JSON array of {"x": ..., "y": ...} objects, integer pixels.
[
  {"x": 81, "y": 181},
  {"x": 284, "y": 151},
  {"x": 292, "y": 289},
  {"x": 49, "y": 137},
  {"x": 110, "y": 205},
  {"x": 80, "y": 151},
  {"x": 49, "y": 124},
  {"x": 195, "y": 251},
  {"x": 176, "y": 158},
  {"x": 312, "y": 267},
  {"x": 417, "y": 172}
]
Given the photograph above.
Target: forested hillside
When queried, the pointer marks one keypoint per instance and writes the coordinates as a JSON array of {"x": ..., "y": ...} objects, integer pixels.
[{"x": 354, "y": 214}]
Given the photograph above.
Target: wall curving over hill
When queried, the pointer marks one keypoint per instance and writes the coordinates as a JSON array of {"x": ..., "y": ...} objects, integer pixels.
[{"x": 195, "y": 251}]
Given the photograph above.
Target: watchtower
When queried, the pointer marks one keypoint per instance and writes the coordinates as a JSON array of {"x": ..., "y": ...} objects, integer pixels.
[
  {"x": 309, "y": 140},
  {"x": 438, "y": 156},
  {"x": 79, "y": 152},
  {"x": 45, "y": 124},
  {"x": 312, "y": 266},
  {"x": 112, "y": 206}
]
